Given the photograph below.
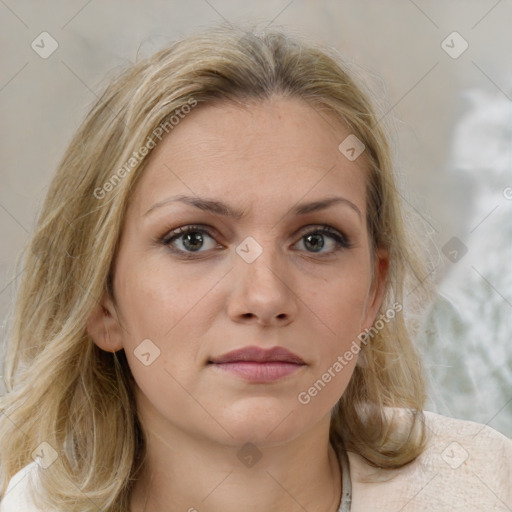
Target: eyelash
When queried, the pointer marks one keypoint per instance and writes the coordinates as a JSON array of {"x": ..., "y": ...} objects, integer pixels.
[{"x": 341, "y": 240}]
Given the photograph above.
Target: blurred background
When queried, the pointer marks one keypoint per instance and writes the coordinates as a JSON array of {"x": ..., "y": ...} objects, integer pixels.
[{"x": 441, "y": 73}]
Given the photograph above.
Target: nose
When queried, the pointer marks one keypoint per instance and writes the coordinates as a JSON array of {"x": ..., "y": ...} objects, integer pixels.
[{"x": 262, "y": 292}]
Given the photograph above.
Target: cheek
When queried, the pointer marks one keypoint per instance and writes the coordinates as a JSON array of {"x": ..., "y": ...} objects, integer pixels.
[
  {"x": 162, "y": 344},
  {"x": 166, "y": 314},
  {"x": 341, "y": 303},
  {"x": 158, "y": 301}
]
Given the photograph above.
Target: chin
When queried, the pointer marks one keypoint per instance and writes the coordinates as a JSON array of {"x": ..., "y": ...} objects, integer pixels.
[{"x": 265, "y": 422}]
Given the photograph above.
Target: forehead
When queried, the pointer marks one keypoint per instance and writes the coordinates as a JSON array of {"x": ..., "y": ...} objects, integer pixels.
[{"x": 254, "y": 155}]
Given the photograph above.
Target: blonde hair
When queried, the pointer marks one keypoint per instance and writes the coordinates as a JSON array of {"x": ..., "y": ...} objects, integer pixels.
[{"x": 61, "y": 388}]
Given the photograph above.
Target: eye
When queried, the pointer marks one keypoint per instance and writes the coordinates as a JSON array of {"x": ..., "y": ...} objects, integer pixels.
[
  {"x": 325, "y": 237},
  {"x": 189, "y": 239}
]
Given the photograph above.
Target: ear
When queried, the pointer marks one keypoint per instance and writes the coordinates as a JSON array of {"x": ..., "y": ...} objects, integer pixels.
[
  {"x": 104, "y": 327},
  {"x": 377, "y": 288}
]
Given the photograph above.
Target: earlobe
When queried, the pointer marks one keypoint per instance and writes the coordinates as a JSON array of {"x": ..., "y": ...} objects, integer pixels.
[{"x": 104, "y": 328}]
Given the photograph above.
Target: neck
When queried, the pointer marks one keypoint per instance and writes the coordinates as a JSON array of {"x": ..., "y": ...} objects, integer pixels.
[{"x": 186, "y": 473}]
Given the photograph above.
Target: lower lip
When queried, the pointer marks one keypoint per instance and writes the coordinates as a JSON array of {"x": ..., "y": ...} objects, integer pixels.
[{"x": 260, "y": 372}]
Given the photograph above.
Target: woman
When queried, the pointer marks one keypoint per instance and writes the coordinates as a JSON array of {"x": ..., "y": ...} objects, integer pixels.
[{"x": 211, "y": 313}]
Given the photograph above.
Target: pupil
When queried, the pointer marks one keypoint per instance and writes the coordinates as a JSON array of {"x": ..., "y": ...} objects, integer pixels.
[
  {"x": 193, "y": 241},
  {"x": 316, "y": 242}
]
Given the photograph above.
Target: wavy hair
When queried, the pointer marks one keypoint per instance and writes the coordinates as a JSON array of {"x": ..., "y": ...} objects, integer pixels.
[{"x": 65, "y": 391}]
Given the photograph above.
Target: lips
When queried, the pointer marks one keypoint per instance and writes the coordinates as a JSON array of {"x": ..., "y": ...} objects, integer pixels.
[
  {"x": 257, "y": 365},
  {"x": 258, "y": 355}
]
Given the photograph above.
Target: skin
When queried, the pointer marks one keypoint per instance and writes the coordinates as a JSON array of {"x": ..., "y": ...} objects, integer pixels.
[{"x": 263, "y": 159}]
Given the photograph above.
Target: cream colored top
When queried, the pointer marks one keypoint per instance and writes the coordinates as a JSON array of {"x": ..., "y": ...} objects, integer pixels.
[{"x": 466, "y": 467}]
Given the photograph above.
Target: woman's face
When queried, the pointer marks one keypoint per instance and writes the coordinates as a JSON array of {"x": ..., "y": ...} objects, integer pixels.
[{"x": 290, "y": 269}]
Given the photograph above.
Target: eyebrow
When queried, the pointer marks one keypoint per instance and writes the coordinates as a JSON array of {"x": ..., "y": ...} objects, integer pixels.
[{"x": 220, "y": 208}]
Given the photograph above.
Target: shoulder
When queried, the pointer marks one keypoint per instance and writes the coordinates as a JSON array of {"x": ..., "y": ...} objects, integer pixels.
[
  {"x": 474, "y": 448},
  {"x": 465, "y": 466},
  {"x": 17, "y": 495}
]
